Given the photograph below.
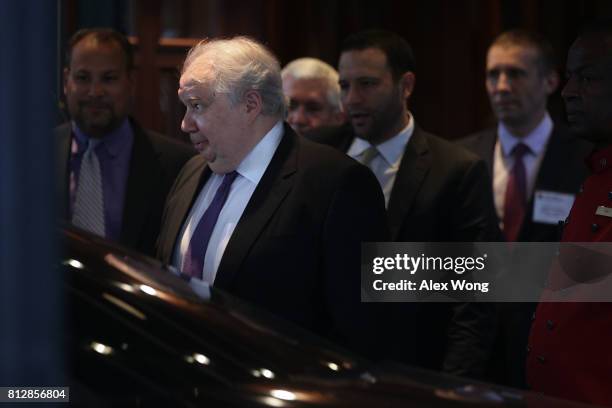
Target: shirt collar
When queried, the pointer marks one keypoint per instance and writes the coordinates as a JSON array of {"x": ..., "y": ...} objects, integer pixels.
[
  {"x": 536, "y": 139},
  {"x": 115, "y": 142},
  {"x": 391, "y": 150},
  {"x": 256, "y": 162}
]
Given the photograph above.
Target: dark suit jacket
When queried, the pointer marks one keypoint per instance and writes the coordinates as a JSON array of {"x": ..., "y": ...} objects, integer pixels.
[
  {"x": 155, "y": 162},
  {"x": 442, "y": 193},
  {"x": 562, "y": 170},
  {"x": 296, "y": 249}
]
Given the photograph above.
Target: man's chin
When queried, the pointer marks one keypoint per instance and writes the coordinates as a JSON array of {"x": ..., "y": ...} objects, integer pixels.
[
  {"x": 97, "y": 130},
  {"x": 362, "y": 132},
  {"x": 598, "y": 137},
  {"x": 98, "y": 117},
  {"x": 300, "y": 130},
  {"x": 373, "y": 136},
  {"x": 210, "y": 156},
  {"x": 98, "y": 125},
  {"x": 577, "y": 128},
  {"x": 508, "y": 116},
  {"x": 220, "y": 166}
]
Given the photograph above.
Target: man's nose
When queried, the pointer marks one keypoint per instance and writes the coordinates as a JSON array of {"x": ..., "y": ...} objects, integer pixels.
[
  {"x": 352, "y": 96},
  {"x": 96, "y": 88},
  {"x": 503, "y": 84},
  {"x": 571, "y": 88},
  {"x": 298, "y": 116},
  {"x": 187, "y": 124}
]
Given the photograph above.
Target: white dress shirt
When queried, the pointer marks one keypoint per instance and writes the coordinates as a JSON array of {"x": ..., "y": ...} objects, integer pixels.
[
  {"x": 503, "y": 160},
  {"x": 386, "y": 164},
  {"x": 250, "y": 171}
]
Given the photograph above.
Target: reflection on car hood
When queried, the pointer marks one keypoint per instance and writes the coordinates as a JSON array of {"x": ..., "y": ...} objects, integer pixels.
[{"x": 139, "y": 335}]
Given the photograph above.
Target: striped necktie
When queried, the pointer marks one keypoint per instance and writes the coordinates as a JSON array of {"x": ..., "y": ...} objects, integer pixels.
[{"x": 88, "y": 212}]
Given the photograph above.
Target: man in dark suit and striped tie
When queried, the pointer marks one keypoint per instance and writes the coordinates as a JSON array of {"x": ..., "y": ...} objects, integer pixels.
[{"x": 113, "y": 176}]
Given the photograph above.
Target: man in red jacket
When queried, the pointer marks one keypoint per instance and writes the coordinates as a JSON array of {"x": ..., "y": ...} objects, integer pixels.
[{"x": 569, "y": 344}]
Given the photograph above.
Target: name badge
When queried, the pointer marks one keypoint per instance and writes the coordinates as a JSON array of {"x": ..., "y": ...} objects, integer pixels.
[
  {"x": 605, "y": 211},
  {"x": 550, "y": 207}
]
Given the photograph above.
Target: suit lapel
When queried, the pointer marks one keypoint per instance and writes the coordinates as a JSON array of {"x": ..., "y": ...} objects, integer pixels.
[
  {"x": 179, "y": 203},
  {"x": 273, "y": 187},
  {"x": 414, "y": 166},
  {"x": 64, "y": 139},
  {"x": 144, "y": 173},
  {"x": 557, "y": 152},
  {"x": 485, "y": 148},
  {"x": 549, "y": 175}
]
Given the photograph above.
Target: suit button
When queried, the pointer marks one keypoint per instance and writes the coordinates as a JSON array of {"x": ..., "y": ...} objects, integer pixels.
[
  {"x": 528, "y": 349},
  {"x": 550, "y": 324},
  {"x": 594, "y": 227},
  {"x": 581, "y": 189},
  {"x": 533, "y": 317},
  {"x": 541, "y": 359}
]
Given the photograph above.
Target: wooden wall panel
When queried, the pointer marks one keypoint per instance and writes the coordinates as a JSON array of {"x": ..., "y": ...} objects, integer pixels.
[{"x": 450, "y": 39}]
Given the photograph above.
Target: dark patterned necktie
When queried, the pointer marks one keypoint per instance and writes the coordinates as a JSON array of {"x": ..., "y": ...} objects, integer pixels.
[
  {"x": 196, "y": 251},
  {"x": 88, "y": 211},
  {"x": 516, "y": 194}
]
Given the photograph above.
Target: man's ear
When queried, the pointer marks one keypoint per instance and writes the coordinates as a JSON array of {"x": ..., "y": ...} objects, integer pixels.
[
  {"x": 253, "y": 104},
  {"x": 407, "y": 84},
  {"x": 551, "y": 82}
]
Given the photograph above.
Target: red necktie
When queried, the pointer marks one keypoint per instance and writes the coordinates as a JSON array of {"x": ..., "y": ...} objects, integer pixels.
[{"x": 516, "y": 194}]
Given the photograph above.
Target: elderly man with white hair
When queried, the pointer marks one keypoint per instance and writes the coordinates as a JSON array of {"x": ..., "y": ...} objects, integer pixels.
[
  {"x": 312, "y": 89},
  {"x": 261, "y": 213}
]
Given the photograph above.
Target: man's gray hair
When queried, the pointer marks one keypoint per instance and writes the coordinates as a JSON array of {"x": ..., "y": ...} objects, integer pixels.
[
  {"x": 234, "y": 66},
  {"x": 312, "y": 68}
]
